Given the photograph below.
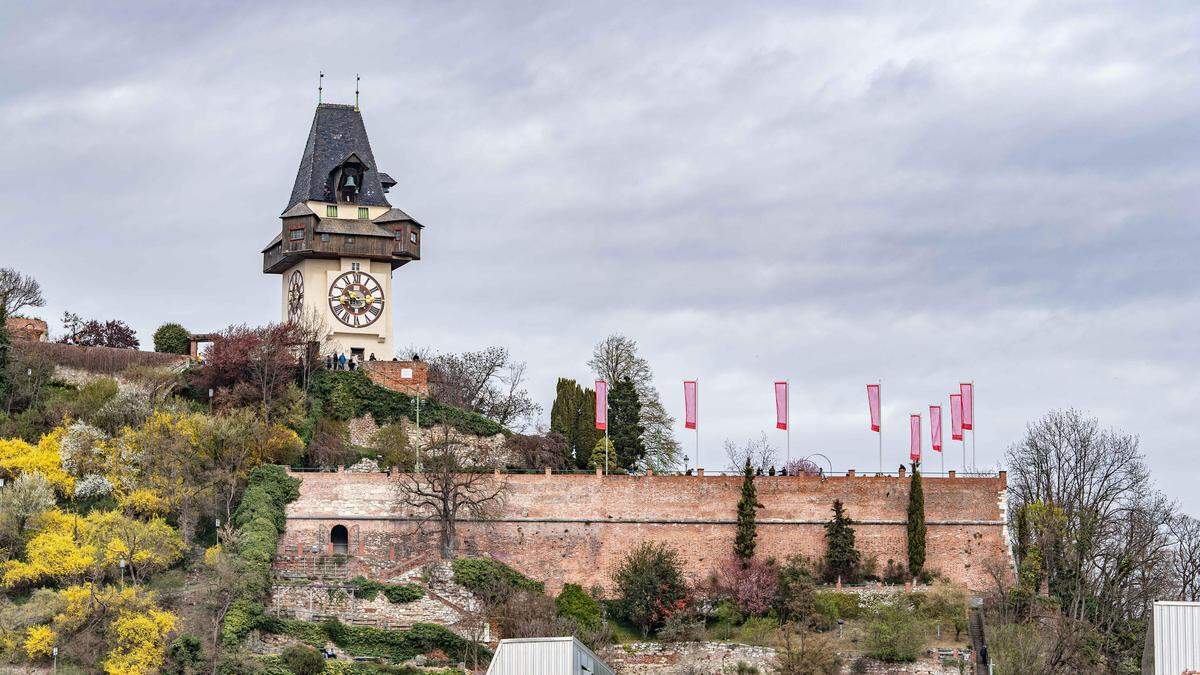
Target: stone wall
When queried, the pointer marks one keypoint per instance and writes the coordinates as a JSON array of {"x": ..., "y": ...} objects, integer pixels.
[
  {"x": 362, "y": 432},
  {"x": 577, "y": 528},
  {"x": 324, "y": 596}
]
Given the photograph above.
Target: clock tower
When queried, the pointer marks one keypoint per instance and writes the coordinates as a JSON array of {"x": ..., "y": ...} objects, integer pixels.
[{"x": 340, "y": 238}]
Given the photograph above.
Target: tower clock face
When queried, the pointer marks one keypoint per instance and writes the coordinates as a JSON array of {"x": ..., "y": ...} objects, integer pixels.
[
  {"x": 295, "y": 295},
  {"x": 356, "y": 299}
]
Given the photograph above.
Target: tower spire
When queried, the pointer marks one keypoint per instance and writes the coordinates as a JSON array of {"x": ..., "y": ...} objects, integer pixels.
[
  {"x": 320, "y": 86},
  {"x": 356, "y": 79}
]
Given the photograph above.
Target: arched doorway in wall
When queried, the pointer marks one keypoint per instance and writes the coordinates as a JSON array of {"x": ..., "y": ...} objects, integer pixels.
[{"x": 340, "y": 539}]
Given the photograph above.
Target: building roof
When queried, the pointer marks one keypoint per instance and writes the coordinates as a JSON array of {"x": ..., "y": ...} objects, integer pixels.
[
  {"x": 395, "y": 215},
  {"x": 300, "y": 209},
  {"x": 337, "y": 133},
  {"x": 361, "y": 228}
]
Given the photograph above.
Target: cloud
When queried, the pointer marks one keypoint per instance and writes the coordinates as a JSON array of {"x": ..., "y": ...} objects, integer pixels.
[{"x": 829, "y": 193}]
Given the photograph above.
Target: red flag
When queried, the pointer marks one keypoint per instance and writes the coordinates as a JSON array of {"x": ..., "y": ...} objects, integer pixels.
[
  {"x": 873, "y": 404},
  {"x": 935, "y": 426},
  {"x": 601, "y": 404},
  {"x": 967, "y": 390},
  {"x": 781, "y": 405},
  {"x": 914, "y": 446},
  {"x": 689, "y": 404},
  {"x": 956, "y": 428}
]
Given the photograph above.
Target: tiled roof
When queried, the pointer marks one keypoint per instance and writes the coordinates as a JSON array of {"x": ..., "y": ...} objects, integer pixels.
[{"x": 337, "y": 132}]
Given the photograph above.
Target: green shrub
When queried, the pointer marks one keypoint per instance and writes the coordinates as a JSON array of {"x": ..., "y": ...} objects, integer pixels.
[
  {"x": 171, "y": 338},
  {"x": 422, "y": 638},
  {"x": 397, "y": 594},
  {"x": 836, "y": 605},
  {"x": 349, "y": 394},
  {"x": 184, "y": 656},
  {"x": 491, "y": 580},
  {"x": 243, "y": 616},
  {"x": 760, "y": 631},
  {"x": 895, "y": 634},
  {"x": 797, "y": 585},
  {"x": 650, "y": 584},
  {"x": 259, "y": 520},
  {"x": 303, "y": 660},
  {"x": 574, "y": 603}
]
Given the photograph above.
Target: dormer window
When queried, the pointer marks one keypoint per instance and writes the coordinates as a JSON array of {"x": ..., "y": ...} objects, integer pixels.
[
  {"x": 331, "y": 211},
  {"x": 346, "y": 179},
  {"x": 363, "y": 213}
]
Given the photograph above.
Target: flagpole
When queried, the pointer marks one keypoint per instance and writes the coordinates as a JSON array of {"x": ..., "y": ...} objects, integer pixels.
[
  {"x": 974, "y": 467},
  {"x": 788, "y": 407},
  {"x": 880, "y": 383},
  {"x": 697, "y": 425}
]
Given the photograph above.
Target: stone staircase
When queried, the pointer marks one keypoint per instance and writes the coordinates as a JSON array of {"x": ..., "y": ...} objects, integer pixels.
[{"x": 978, "y": 637}]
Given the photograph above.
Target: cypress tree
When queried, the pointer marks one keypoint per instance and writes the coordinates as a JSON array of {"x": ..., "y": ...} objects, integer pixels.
[
  {"x": 747, "y": 509},
  {"x": 916, "y": 522},
  {"x": 572, "y": 415},
  {"x": 5, "y": 346},
  {"x": 624, "y": 424},
  {"x": 564, "y": 413},
  {"x": 1022, "y": 534},
  {"x": 841, "y": 557}
]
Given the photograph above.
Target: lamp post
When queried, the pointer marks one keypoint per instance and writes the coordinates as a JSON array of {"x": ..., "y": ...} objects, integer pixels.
[
  {"x": 54, "y": 651},
  {"x": 121, "y": 564}
]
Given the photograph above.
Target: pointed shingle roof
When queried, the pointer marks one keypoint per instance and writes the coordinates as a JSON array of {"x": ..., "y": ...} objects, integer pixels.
[{"x": 337, "y": 133}]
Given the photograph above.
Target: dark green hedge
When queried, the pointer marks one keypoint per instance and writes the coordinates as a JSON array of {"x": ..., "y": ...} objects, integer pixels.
[
  {"x": 422, "y": 638},
  {"x": 259, "y": 520},
  {"x": 346, "y": 394},
  {"x": 397, "y": 594},
  {"x": 490, "y": 579}
]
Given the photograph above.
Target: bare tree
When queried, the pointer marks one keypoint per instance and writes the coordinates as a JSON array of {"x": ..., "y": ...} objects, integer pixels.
[
  {"x": 488, "y": 382},
  {"x": 760, "y": 453},
  {"x": 17, "y": 292},
  {"x": 616, "y": 358},
  {"x": 538, "y": 451},
  {"x": 1097, "y": 521},
  {"x": 1185, "y": 557},
  {"x": 453, "y": 485},
  {"x": 312, "y": 333}
]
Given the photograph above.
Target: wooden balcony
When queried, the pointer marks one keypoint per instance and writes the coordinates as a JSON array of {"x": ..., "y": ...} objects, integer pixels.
[{"x": 397, "y": 251}]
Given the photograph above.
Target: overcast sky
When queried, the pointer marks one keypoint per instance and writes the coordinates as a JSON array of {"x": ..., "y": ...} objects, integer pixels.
[{"x": 830, "y": 193}]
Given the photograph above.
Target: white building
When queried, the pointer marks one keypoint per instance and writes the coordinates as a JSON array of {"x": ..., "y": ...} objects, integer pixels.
[
  {"x": 546, "y": 656},
  {"x": 1176, "y": 637}
]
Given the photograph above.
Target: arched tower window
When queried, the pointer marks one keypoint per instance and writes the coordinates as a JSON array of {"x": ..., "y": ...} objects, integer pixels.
[{"x": 340, "y": 539}]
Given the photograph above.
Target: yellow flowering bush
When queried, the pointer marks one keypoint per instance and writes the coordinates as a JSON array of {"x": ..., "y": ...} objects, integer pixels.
[
  {"x": 65, "y": 547},
  {"x": 144, "y": 502},
  {"x": 39, "y": 642},
  {"x": 141, "y": 642},
  {"x": 18, "y": 457},
  {"x": 53, "y": 553}
]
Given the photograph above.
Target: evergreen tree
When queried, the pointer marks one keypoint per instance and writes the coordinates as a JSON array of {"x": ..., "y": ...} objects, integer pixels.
[
  {"x": 841, "y": 557},
  {"x": 596, "y": 461},
  {"x": 5, "y": 345},
  {"x": 916, "y": 522},
  {"x": 573, "y": 416},
  {"x": 564, "y": 413},
  {"x": 1022, "y": 534},
  {"x": 171, "y": 338},
  {"x": 747, "y": 508},
  {"x": 624, "y": 424}
]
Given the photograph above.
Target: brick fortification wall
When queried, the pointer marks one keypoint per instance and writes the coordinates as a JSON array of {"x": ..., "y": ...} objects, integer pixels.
[
  {"x": 406, "y": 377},
  {"x": 577, "y": 528}
]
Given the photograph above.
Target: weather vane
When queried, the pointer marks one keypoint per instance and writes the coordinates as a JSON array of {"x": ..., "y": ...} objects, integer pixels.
[
  {"x": 320, "y": 86},
  {"x": 356, "y": 79}
]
